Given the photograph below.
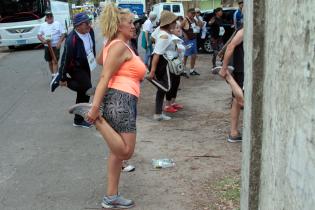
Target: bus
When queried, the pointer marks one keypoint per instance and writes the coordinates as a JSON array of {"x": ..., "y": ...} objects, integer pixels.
[
  {"x": 20, "y": 20},
  {"x": 137, "y": 7}
]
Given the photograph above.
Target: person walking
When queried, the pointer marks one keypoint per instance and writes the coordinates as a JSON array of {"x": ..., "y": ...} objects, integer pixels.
[
  {"x": 235, "y": 50},
  {"x": 51, "y": 34},
  {"x": 216, "y": 39},
  {"x": 238, "y": 15},
  {"x": 190, "y": 40},
  {"x": 164, "y": 46},
  {"x": 78, "y": 60},
  {"x": 118, "y": 90},
  {"x": 146, "y": 37},
  {"x": 200, "y": 29}
]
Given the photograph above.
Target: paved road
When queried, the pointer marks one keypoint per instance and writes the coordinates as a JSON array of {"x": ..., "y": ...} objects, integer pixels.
[{"x": 45, "y": 163}]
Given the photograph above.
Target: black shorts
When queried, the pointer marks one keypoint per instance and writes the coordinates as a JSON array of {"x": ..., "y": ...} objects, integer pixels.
[
  {"x": 48, "y": 57},
  {"x": 239, "y": 79},
  {"x": 120, "y": 110}
]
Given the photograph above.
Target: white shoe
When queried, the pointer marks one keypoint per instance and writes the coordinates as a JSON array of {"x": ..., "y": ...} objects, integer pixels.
[
  {"x": 128, "y": 168},
  {"x": 160, "y": 117}
]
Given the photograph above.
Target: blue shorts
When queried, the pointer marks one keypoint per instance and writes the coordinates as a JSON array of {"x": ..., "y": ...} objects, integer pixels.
[{"x": 191, "y": 47}]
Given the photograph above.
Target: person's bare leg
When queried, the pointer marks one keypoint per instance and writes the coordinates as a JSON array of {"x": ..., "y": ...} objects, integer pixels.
[
  {"x": 55, "y": 68},
  {"x": 185, "y": 60},
  {"x": 51, "y": 67},
  {"x": 236, "y": 89},
  {"x": 193, "y": 61},
  {"x": 235, "y": 113},
  {"x": 121, "y": 145},
  {"x": 113, "y": 174}
]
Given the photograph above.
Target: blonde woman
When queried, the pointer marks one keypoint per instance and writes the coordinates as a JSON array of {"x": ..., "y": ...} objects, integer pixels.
[{"x": 118, "y": 90}]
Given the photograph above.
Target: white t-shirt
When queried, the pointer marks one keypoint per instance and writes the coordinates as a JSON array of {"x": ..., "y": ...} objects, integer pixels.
[
  {"x": 197, "y": 28},
  {"x": 148, "y": 26},
  {"x": 165, "y": 47},
  {"x": 87, "y": 41},
  {"x": 52, "y": 32}
]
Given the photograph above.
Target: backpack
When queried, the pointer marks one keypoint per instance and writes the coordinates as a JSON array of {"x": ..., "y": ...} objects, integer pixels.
[{"x": 174, "y": 65}]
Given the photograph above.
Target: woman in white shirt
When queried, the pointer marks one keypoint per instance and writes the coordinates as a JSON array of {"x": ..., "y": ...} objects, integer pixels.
[
  {"x": 179, "y": 52},
  {"x": 164, "y": 46}
]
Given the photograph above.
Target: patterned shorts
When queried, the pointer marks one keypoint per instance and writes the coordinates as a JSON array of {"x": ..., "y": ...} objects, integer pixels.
[{"x": 120, "y": 110}]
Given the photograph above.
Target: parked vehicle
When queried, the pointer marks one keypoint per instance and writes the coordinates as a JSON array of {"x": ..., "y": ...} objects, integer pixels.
[
  {"x": 176, "y": 8},
  {"x": 227, "y": 25},
  {"x": 21, "y": 20},
  {"x": 138, "y": 7}
]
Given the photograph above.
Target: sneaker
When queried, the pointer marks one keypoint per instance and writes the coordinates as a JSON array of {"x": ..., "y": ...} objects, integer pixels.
[
  {"x": 117, "y": 202},
  {"x": 233, "y": 139},
  {"x": 128, "y": 168},
  {"x": 185, "y": 74},
  {"x": 55, "y": 82},
  {"x": 177, "y": 106},
  {"x": 170, "y": 109},
  {"x": 82, "y": 124},
  {"x": 216, "y": 69},
  {"x": 80, "y": 109},
  {"x": 90, "y": 91},
  {"x": 194, "y": 73},
  {"x": 161, "y": 117}
]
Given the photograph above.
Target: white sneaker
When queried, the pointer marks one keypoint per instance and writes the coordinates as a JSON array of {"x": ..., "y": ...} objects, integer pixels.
[
  {"x": 160, "y": 117},
  {"x": 128, "y": 168}
]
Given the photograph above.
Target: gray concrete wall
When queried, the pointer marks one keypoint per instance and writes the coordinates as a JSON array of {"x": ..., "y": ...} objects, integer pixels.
[{"x": 279, "y": 119}]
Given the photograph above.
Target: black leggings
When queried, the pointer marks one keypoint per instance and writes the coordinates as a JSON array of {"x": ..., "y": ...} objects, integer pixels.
[
  {"x": 172, "y": 93},
  {"x": 175, "y": 80},
  {"x": 80, "y": 82}
]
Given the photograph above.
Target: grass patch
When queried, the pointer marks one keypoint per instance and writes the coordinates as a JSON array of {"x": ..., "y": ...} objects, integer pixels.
[{"x": 227, "y": 193}]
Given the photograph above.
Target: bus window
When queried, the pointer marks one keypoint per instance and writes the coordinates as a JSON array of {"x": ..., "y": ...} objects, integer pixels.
[{"x": 167, "y": 7}]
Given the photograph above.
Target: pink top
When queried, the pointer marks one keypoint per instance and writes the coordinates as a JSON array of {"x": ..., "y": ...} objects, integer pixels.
[{"x": 127, "y": 78}]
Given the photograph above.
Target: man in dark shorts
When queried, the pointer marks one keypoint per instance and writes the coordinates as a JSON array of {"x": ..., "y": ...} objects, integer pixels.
[
  {"x": 53, "y": 32},
  {"x": 235, "y": 49}
]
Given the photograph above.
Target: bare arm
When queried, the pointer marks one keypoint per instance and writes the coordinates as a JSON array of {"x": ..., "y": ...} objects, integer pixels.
[
  {"x": 99, "y": 57},
  {"x": 155, "y": 61},
  {"x": 230, "y": 50},
  {"x": 161, "y": 43},
  {"x": 41, "y": 38},
  {"x": 183, "y": 24},
  {"x": 62, "y": 38}
]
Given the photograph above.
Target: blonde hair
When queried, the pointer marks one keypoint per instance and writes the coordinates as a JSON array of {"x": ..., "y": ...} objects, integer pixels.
[{"x": 110, "y": 19}]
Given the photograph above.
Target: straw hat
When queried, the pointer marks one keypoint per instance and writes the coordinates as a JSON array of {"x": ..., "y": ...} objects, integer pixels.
[{"x": 167, "y": 17}]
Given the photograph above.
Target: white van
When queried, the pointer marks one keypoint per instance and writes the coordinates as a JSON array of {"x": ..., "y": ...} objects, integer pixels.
[{"x": 176, "y": 8}]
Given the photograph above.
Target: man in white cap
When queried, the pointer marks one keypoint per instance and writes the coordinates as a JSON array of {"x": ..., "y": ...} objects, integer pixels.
[{"x": 53, "y": 32}]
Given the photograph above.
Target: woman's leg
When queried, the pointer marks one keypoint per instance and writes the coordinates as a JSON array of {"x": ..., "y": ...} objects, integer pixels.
[
  {"x": 114, "y": 169},
  {"x": 236, "y": 89},
  {"x": 121, "y": 145},
  {"x": 159, "y": 101},
  {"x": 115, "y": 163},
  {"x": 171, "y": 95}
]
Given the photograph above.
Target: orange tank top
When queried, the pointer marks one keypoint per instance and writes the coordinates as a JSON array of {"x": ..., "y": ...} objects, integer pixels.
[{"x": 127, "y": 78}]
